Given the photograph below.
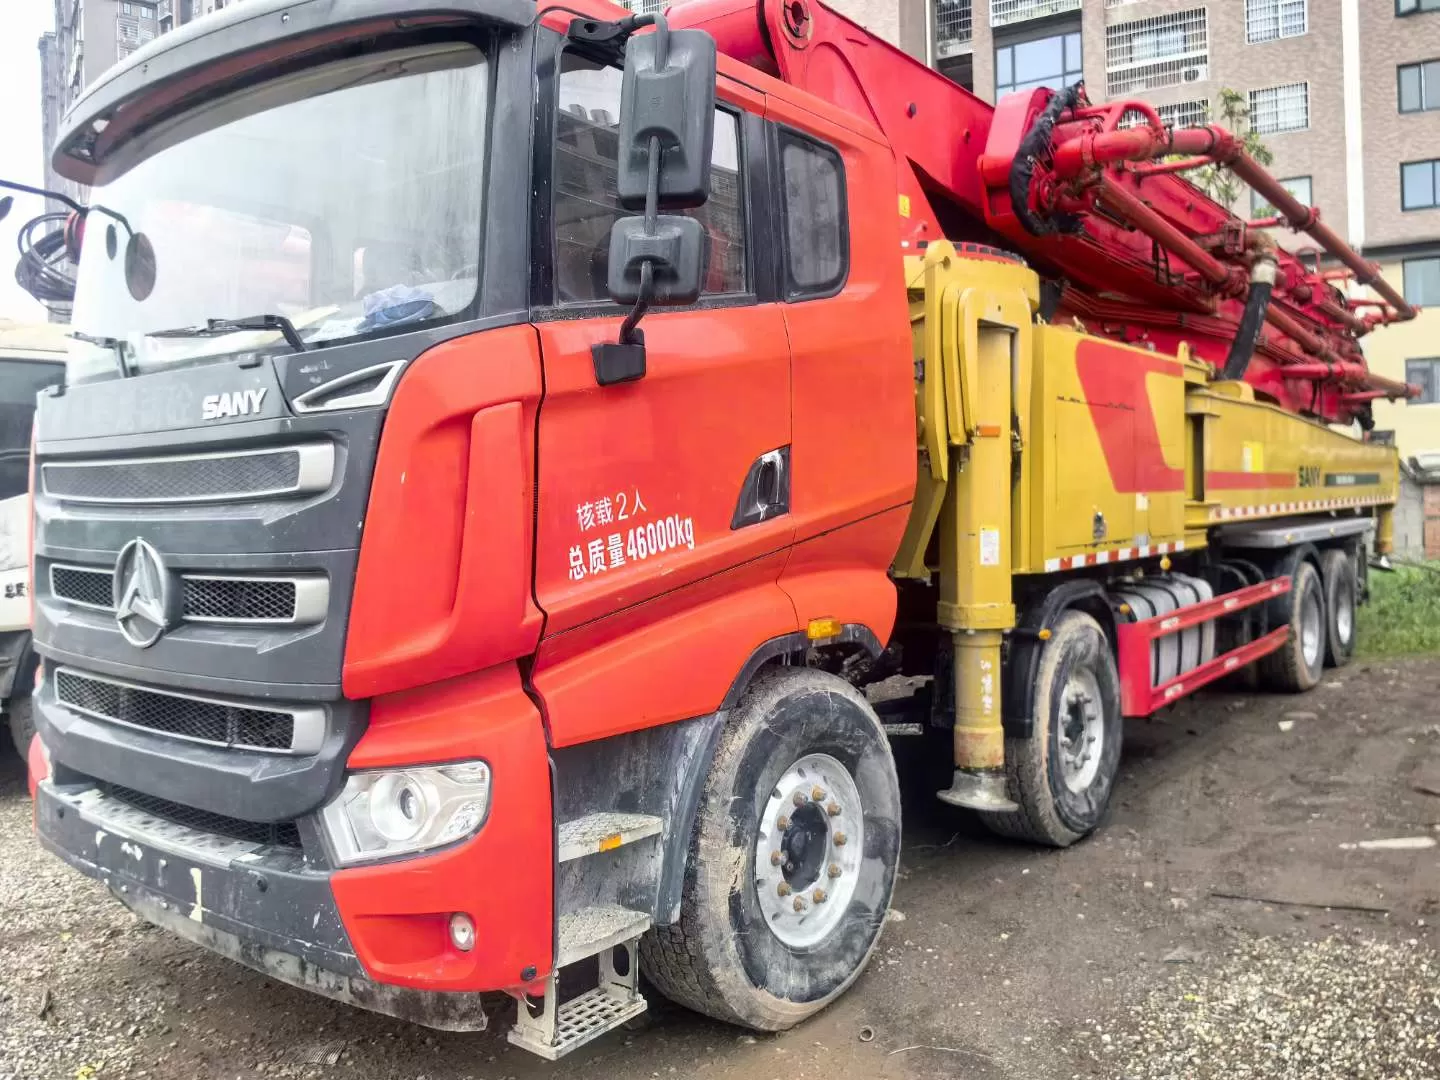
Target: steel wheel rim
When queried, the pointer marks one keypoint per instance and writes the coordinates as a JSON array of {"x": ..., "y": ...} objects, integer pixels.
[
  {"x": 1310, "y": 630},
  {"x": 1082, "y": 730},
  {"x": 810, "y": 847},
  {"x": 1345, "y": 617}
]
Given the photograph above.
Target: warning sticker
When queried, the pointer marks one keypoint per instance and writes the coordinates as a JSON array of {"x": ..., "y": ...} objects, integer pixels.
[{"x": 989, "y": 547}]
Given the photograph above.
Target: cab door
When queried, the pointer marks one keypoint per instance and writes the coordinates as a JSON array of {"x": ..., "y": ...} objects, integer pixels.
[{"x": 651, "y": 487}]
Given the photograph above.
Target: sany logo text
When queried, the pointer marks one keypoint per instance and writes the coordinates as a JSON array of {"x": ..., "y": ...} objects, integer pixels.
[{"x": 235, "y": 403}]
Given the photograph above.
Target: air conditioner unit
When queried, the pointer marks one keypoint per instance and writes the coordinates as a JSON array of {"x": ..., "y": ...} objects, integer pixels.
[{"x": 1194, "y": 74}]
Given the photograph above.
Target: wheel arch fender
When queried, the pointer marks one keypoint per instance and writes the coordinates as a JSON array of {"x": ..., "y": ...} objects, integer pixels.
[{"x": 1017, "y": 705}]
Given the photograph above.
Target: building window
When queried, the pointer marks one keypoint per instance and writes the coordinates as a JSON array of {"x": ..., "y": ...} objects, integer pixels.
[
  {"x": 1049, "y": 61},
  {"x": 1297, "y": 186},
  {"x": 1420, "y": 86},
  {"x": 1421, "y": 281},
  {"x": 954, "y": 27},
  {"x": 1426, "y": 375},
  {"x": 1180, "y": 114},
  {"x": 1280, "y": 108},
  {"x": 1005, "y": 12},
  {"x": 586, "y": 205},
  {"x": 1166, "y": 50},
  {"x": 1411, "y": 7},
  {"x": 644, "y": 7},
  {"x": 1267, "y": 20},
  {"x": 147, "y": 12},
  {"x": 816, "y": 248},
  {"x": 127, "y": 9},
  {"x": 1420, "y": 185}
]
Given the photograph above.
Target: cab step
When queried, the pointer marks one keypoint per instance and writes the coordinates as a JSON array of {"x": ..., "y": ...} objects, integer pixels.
[
  {"x": 554, "y": 1029},
  {"x": 597, "y": 930},
  {"x": 596, "y": 833}
]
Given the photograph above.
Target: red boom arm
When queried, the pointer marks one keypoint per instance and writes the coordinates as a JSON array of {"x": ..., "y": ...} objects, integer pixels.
[{"x": 1143, "y": 255}]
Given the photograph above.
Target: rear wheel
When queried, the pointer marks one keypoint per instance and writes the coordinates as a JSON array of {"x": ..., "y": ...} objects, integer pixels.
[
  {"x": 792, "y": 861},
  {"x": 1062, "y": 776},
  {"x": 1296, "y": 666},
  {"x": 1337, "y": 571}
]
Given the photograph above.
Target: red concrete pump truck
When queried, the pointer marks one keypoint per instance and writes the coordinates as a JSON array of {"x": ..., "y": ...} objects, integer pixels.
[{"x": 501, "y": 443}]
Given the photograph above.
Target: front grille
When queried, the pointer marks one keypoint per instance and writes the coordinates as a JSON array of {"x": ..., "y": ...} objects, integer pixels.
[
  {"x": 81, "y": 586},
  {"x": 198, "y": 719},
  {"x": 278, "y": 833},
  {"x": 207, "y": 599},
  {"x": 236, "y": 475},
  {"x": 240, "y": 599}
]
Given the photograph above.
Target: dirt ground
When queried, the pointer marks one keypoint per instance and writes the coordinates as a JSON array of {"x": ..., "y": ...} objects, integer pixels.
[{"x": 1221, "y": 923}]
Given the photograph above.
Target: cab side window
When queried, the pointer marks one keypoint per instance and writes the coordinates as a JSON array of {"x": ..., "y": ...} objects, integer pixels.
[
  {"x": 816, "y": 237},
  {"x": 585, "y": 206}
]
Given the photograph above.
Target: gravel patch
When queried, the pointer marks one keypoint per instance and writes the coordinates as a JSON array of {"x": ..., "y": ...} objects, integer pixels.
[
  {"x": 1292, "y": 1009},
  {"x": 59, "y": 1018}
]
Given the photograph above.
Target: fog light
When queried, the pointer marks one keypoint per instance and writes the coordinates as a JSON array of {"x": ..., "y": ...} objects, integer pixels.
[{"x": 462, "y": 931}]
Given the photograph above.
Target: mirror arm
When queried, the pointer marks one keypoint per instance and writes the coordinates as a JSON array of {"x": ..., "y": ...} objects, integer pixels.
[
  {"x": 59, "y": 197},
  {"x": 628, "y": 334}
]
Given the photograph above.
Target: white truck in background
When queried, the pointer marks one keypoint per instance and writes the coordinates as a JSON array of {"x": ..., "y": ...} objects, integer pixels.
[{"x": 32, "y": 358}]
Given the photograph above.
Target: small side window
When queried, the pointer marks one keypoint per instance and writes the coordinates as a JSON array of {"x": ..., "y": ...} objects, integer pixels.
[
  {"x": 586, "y": 205},
  {"x": 817, "y": 249}
]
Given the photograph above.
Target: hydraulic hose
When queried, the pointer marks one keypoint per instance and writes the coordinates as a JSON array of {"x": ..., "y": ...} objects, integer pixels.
[
  {"x": 1035, "y": 148},
  {"x": 1252, "y": 322}
]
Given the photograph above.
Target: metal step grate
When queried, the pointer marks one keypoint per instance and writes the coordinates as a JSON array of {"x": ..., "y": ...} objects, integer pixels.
[
  {"x": 581, "y": 1019},
  {"x": 277, "y": 833}
]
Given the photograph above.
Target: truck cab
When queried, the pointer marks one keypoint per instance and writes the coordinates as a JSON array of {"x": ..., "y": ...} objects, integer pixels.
[{"x": 393, "y": 634}]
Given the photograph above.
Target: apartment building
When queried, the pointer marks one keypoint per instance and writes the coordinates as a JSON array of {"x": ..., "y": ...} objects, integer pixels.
[{"x": 1344, "y": 93}]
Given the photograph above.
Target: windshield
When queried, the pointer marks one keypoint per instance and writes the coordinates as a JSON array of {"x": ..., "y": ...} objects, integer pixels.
[{"x": 346, "y": 199}]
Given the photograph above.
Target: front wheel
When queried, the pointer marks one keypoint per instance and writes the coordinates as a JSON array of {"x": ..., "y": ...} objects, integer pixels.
[
  {"x": 792, "y": 860},
  {"x": 21, "y": 713},
  {"x": 1061, "y": 777}
]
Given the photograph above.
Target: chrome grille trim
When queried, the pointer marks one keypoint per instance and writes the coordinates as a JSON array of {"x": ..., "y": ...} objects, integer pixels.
[
  {"x": 314, "y": 469},
  {"x": 307, "y": 722},
  {"x": 310, "y": 603}
]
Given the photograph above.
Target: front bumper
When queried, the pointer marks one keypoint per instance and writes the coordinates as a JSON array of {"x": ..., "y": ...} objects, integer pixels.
[{"x": 261, "y": 906}]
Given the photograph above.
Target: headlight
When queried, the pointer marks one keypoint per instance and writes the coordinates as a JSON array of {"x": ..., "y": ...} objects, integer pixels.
[{"x": 400, "y": 811}]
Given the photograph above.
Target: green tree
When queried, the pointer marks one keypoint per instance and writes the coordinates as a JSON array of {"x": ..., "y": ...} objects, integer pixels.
[{"x": 1218, "y": 182}]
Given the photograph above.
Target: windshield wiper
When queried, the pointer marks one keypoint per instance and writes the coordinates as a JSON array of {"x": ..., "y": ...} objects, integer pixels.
[
  {"x": 115, "y": 345},
  {"x": 220, "y": 327}
]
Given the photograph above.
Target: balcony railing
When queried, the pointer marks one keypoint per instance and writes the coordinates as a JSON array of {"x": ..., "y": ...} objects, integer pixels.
[
  {"x": 1006, "y": 12},
  {"x": 953, "y": 27}
]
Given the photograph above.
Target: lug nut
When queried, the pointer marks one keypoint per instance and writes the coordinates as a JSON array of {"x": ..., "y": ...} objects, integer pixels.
[
  {"x": 798, "y": 798},
  {"x": 782, "y": 823},
  {"x": 833, "y": 809},
  {"x": 818, "y": 794},
  {"x": 818, "y": 896},
  {"x": 776, "y": 858},
  {"x": 799, "y": 904},
  {"x": 840, "y": 839},
  {"x": 834, "y": 870},
  {"x": 783, "y": 888}
]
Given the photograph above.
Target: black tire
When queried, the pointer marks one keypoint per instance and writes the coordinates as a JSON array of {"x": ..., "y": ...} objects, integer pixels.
[
  {"x": 1297, "y": 665},
  {"x": 1337, "y": 571},
  {"x": 21, "y": 713},
  {"x": 1059, "y": 805},
  {"x": 722, "y": 958}
]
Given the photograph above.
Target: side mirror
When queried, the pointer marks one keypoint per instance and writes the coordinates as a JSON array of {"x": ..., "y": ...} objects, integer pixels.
[
  {"x": 667, "y": 131},
  {"x": 667, "y": 119}
]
